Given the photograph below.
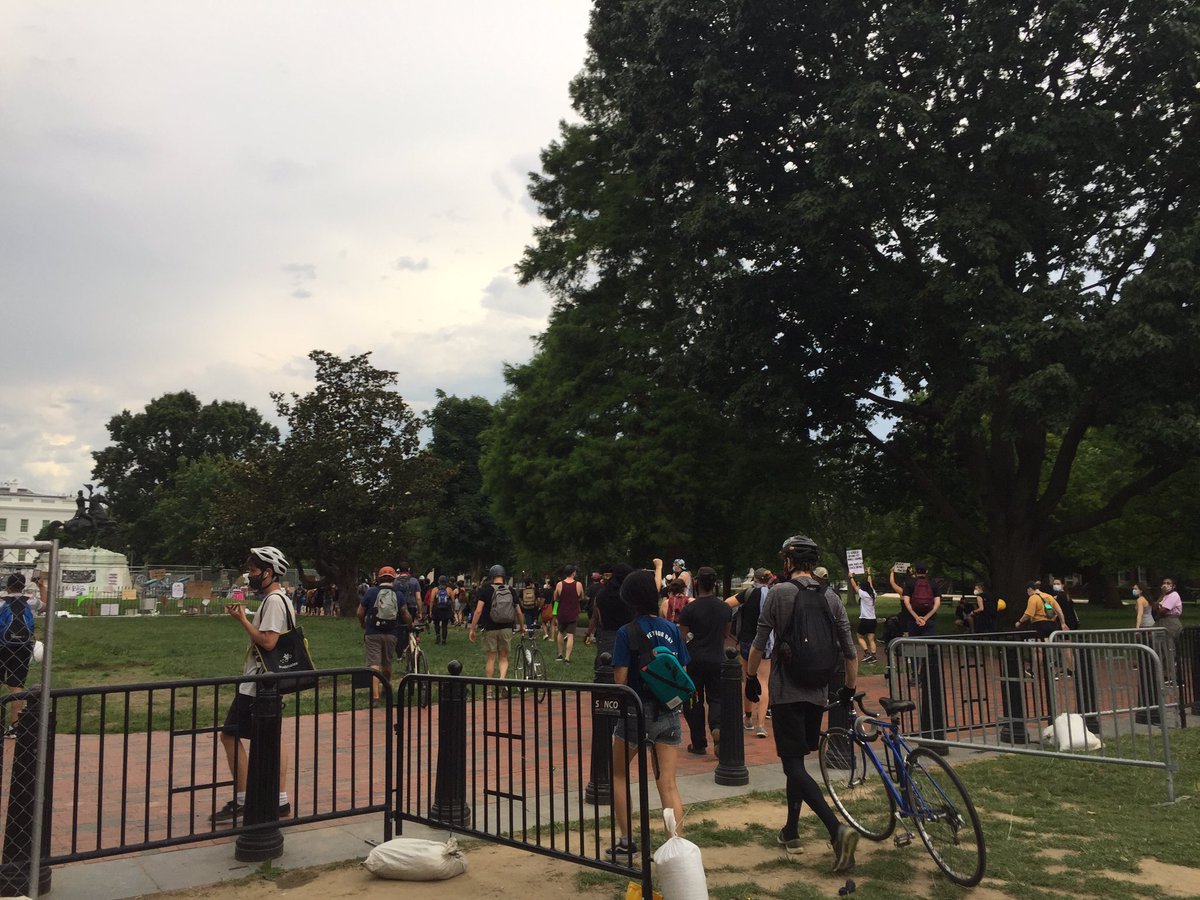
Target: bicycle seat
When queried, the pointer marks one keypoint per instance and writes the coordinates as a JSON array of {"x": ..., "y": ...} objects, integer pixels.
[{"x": 895, "y": 707}]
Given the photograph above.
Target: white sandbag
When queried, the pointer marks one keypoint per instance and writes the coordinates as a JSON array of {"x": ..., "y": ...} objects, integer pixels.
[
  {"x": 1071, "y": 733},
  {"x": 680, "y": 867},
  {"x": 412, "y": 859}
]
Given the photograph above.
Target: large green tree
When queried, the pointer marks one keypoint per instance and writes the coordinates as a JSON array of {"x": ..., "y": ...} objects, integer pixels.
[
  {"x": 148, "y": 448},
  {"x": 348, "y": 481},
  {"x": 964, "y": 236},
  {"x": 459, "y": 530}
]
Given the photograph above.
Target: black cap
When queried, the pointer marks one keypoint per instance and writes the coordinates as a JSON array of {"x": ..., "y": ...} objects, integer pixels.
[
  {"x": 1031, "y": 585},
  {"x": 706, "y": 570}
]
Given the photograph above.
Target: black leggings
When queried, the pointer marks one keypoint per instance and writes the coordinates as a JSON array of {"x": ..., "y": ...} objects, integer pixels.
[
  {"x": 441, "y": 626},
  {"x": 802, "y": 788}
]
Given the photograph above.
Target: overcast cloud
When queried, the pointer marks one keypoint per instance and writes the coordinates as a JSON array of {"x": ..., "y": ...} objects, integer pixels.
[{"x": 196, "y": 196}]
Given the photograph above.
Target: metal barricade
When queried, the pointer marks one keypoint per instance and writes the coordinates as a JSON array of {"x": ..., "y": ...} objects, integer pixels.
[
  {"x": 509, "y": 762},
  {"x": 1112, "y": 695},
  {"x": 140, "y": 766}
]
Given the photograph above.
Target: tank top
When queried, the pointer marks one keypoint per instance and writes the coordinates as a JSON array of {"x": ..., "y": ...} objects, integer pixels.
[
  {"x": 1147, "y": 617},
  {"x": 569, "y": 595}
]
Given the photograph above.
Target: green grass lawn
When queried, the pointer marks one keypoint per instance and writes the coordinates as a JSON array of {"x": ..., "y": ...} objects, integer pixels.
[
  {"x": 111, "y": 651},
  {"x": 1052, "y": 828}
]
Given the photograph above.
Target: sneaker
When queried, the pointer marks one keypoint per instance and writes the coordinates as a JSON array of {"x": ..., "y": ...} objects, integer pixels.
[
  {"x": 716, "y": 738},
  {"x": 10, "y": 731},
  {"x": 761, "y": 732},
  {"x": 871, "y": 657},
  {"x": 558, "y": 658},
  {"x": 228, "y": 812},
  {"x": 768, "y": 714},
  {"x": 747, "y": 723},
  {"x": 843, "y": 848},
  {"x": 623, "y": 851},
  {"x": 791, "y": 846},
  {"x": 285, "y": 810}
]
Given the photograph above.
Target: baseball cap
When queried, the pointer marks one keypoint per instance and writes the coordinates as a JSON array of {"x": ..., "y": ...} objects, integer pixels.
[
  {"x": 680, "y": 563},
  {"x": 821, "y": 572},
  {"x": 761, "y": 572},
  {"x": 386, "y": 572},
  {"x": 706, "y": 570}
]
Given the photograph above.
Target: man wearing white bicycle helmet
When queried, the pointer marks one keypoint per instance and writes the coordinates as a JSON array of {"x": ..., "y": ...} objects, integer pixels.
[{"x": 265, "y": 567}]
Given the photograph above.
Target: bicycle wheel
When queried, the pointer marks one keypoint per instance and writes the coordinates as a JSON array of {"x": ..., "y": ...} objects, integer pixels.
[
  {"x": 537, "y": 672},
  {"x": 945, "y": 817},
  {"x": 415, "y": 663},
  {"x": 855, "y": 785}
]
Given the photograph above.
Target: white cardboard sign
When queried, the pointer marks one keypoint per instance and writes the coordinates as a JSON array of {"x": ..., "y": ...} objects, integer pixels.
[{"x": 854, "y": 562}]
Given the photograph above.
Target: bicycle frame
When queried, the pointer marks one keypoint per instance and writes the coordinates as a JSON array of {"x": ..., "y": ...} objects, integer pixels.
[{"x": 898, "y": 749}]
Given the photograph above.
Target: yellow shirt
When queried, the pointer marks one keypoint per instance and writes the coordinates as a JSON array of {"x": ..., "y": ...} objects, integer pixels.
[{"x": 1035, "y": 609}]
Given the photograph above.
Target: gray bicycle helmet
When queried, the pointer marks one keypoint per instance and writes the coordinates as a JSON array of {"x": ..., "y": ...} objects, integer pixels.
[
  {"x": 272, "y": 557},
  {"x": 497, "y": 572}
]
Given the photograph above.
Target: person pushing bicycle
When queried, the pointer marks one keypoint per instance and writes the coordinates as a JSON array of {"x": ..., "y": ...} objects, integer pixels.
[{"x": 799, "y": 604}]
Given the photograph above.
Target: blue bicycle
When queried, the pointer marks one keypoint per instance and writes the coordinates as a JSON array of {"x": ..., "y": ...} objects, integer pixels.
[{"x": 916, "y": 785}]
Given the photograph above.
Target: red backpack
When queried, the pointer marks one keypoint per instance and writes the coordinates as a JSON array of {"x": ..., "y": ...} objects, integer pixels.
[
  {"x": 922, "y": 596},
  {"x": 675, "y": 605}
]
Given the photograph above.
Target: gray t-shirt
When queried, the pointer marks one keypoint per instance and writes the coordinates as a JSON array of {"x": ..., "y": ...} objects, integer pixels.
[
  {"x": 271, "y": 615},
  {"x": 777, "y": 614}
]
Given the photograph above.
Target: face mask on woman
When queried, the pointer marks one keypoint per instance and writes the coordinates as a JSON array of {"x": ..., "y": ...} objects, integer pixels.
[{"x": 1136, "y": 592}]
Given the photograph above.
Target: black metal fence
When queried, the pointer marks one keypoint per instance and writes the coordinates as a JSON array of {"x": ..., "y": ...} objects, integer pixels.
[
  {"x": 142, "y": 766},
  {"x": 526, "y": 764}
]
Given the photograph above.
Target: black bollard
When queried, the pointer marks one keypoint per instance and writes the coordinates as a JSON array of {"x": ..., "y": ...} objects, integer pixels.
[
  {"x": 18, "y": 827},
  {"x": 450, "y": 786},
  {"x": 839, "y": 713},
  {"x": 262, "y": 779},
  {"x": 932, "y": 703},
  {"x": 599, "y": 788},
  {"x": 731, "y": 755}
]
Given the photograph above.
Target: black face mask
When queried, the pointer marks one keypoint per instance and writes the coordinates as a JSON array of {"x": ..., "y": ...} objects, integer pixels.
[{"x": 256, "y": 581}]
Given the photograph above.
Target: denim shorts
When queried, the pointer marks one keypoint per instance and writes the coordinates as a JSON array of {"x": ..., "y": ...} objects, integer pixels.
[{"x": 662, "y": 726}]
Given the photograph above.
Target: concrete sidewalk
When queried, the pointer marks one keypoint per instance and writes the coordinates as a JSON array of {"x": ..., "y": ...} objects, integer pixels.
[{"x": 165, "y": 870}]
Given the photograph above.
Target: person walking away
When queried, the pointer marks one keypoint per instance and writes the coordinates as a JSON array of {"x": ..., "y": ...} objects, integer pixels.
[
  {"x": 568, "y": 595},
  {"x": 705, "y": 625},
  {"x": 800, "y": 684},
  {"x": 1044, "y": 614},
  {"x": 868, "y": 624},
  {"x": 461, "y": 595},
  {"x": 921, "y": 600},
  {"x": 380, "y": 615},
  {"x": 265, "y": 567},
  {"x": 33, "y": 594},
  {"x": 16, "y": 644},
  {"x": 639, "y": 592},
  {"x": 441, "y": 609},
  {"x": 610, "y": 613},
  {"x": 531, "y": 605},
  {"x": 747, "y": 604},
  {"x": 496, "y": 616},
  {"x": 549, "y": 622},
  {"x": 408, "y": 591},
  {"x": 589, "y": 599}
]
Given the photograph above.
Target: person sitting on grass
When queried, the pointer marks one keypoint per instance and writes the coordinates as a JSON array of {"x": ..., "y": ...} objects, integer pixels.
[{"x": 664, "y": 729}]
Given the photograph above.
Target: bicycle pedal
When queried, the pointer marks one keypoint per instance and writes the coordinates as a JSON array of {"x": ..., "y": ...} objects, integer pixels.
[{"x": 903, "y": 840}]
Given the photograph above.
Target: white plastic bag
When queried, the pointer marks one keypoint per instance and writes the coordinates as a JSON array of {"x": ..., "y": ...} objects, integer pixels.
[
  {"x": 680, "y": 868},
  {"x": 1070, "y": 732},
  {"x": 412, "y": 859}
]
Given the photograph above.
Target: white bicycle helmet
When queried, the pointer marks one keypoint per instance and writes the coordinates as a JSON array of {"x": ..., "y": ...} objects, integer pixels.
[{"x": 273, "y": 557}]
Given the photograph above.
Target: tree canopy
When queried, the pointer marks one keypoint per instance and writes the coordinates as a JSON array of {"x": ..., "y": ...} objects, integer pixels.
[
  {"x": 149, "y": 449},
  {"x": 963, "y": 237}
]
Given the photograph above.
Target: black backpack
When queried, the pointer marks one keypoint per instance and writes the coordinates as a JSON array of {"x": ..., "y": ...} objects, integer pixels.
[
  {"x": 807, "y": 647},
  {"x": 18, "y": 631}
]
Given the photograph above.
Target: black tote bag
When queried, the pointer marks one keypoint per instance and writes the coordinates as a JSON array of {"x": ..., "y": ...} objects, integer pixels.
[{"x": 289, "y": 656}]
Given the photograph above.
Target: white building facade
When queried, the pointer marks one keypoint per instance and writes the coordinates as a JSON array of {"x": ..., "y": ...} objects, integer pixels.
[{"x": 23, "y": 513}]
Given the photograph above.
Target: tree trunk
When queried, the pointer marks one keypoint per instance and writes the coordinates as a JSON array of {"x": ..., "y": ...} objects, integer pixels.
[
  {"x": 347, "y": 585},
  {"x": 1012, "y": 564}
]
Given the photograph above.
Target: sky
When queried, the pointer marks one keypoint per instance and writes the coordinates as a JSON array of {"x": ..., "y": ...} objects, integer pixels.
[{"x": 194, "y": 196}]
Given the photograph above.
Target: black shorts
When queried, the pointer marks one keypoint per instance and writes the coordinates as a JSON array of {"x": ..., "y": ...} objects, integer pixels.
[
  {"x": 867, "y": 626},
  {"x": 237, "y": 720},
  {"x": 797, "y": 727},
  {"x": 14, "y": 664}
]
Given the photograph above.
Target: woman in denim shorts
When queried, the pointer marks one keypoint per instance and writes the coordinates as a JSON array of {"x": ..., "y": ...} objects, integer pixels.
[{"x": 639, "y": 591}]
